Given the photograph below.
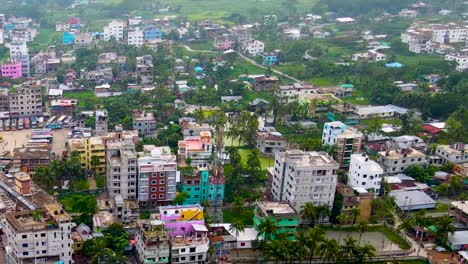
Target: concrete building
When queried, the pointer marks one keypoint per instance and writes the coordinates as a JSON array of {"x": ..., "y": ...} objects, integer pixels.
[
  {"x": 12, "y": 70},
  {"x": 412, "y": 200},
  {"x": 459, "y": 210},
  {"x": 461, "y": 58},
  {"x": 157, "y": 171},
  {"x": 241, "y": 34},
  {"x": 101, "y": 122},
  {"x": 144, "y": 69},
  {"x": 456, "y": 153},
  {"x": 29, "y": 158},
  {"x": 254, "y": 47},
  {"x": 62, "y": 27},
  {"x": 25, "y": 65},
  {"x": 293, "y": 91},
  {"x": 136, "y": 38},
  {"x": 152, "y": 32},
  {"x": 197, "y": 148},
  {"x": 121, "y": 168},
  {"x": 282, "y": 213},
  {"x": 263, "y": 83},
  {"x": 365, "y": 173},
  {"x": 201, "y": 186},
  {"x": 152, "y": 243},
  {"x": 86, "y": 149},
  {"x": 63, "y": 106},
  {"x": 354, "y": 198},
  {"x": 396, "y": 161},
  {"x": 268, "y": 141},
  {"x": 224, "y": 42},
  {"x": 192, "y": 128},
  {"x": 115, "y": 29},
  {"x": 299, "y": 177},
  {"x": 39, "y": 238},
  {"x": 83, "y": 39},
  {"x": 346, "y": 139},
  {"x": 370, "y": 56},
  {"x": 25, "y": 100},
  {"x": 18, "y": 48},
  {"x": 143, "y": 122}
]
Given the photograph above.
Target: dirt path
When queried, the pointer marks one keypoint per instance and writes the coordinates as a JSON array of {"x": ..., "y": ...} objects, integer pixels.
[{"x": 92, "y": 183}]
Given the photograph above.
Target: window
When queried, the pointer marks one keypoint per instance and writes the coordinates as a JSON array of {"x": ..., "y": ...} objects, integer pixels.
[
  {"x": 242, "y": 244},
  {"x": 25, "y": 245},
  {"x": 192, "y": 250},
  {"x": 24, "y": 236},
  {"x": 25, "y": 253}
]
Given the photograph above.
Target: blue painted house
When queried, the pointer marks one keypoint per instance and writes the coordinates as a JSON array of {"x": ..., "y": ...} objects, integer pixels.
[
  {"x": 202, "y": 186},
  {"x": 151, "y": 32},
  {"x": 68, "y": 38},
  {"x": 269, "y": 58}
]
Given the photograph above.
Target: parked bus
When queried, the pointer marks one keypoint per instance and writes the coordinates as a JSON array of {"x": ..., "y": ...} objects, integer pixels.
[
  {"x": 33, "y": 122},
  {"x": 26, "y": 123},
  {"x": 67, "y": 121},
  {"x": 7, "y": 124},
  {"x": 53, "y": 125},
  {"x": 51, "y": 120},
  {"x": 20, "y": 123},
  {"x": 1, "y": 124},
  {"x": 13, "y": 124},
  {"x": 40, "y": 122},
  {"x": 60, "y": 120}
]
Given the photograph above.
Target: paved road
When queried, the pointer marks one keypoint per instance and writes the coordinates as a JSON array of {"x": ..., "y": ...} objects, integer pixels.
[{"x": 249, "y": 60}]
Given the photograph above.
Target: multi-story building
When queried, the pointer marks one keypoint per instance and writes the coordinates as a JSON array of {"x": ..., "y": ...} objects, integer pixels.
[
  {"x": 136, "y": 37},
  {"x": 459, "y": 210},
  {"x": 144, "y": 69},
  {"x": 354, "y": 198},
  {"x": 157, "y": 170},
  {"x": 192, "y": 128},
  {"x": 254, "y": 47},
  {"x": 241, "y": 34},
  {"x": 25, "y": 65},
  {"x": 18, "y": 48},
  {"x": 25, "y": 100},
  {"x": 121, "y": 168},
  {"x": 143, "y": 122},
  {"x": 63, "y": 106},
  {"x": 264, "y": 83},
  {"x": 293, "y": 91},
  {"x": 152, "y": 32},
  {"x": 396, "y": 161},
  {"x": 365, "y": 173},
  {"x": 268, "y": 141},
  {"x": 61, "y": 27},
  {"x": 299, "y": 177},
  {"x": 83, "y": 39},
  {"x": 346, "y": 139},
  {"x": 86, "y": 149},
  {"x": 202, "y": 186},
  {"x": 4, "y": 105},
  {"x": 42, "y": 236},
  {"x": 456, "y": 153},
  {"x": 461, "y": 58},
  {"x": 12, "y": 70},
  {"x": 282, "y": 213},
  {"x": 152, "y": 242},
  {"x": 29, "y": 158},
  {"x": 197, "y": 148},
  {"x": 224, "y": 42},
  {"x": 185, "y": 225},
  {"x": 101, "y": 122},
  {"x": 115, "y": 29}
]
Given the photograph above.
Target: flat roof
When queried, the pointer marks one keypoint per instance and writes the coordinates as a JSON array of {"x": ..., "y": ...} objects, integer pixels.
[
  {"x": 277, "y": 208},
  {"x": 458, "y": 238},
  {"x": 460, "y": 205}
]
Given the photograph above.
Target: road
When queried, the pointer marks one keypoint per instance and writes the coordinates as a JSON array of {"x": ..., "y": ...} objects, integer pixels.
[{"x": 249, "y": 60}]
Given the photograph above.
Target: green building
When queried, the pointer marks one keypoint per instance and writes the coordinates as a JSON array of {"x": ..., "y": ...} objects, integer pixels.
[
  {"x": 202, "y": 186},
  {"x": 282, "y": 213}
]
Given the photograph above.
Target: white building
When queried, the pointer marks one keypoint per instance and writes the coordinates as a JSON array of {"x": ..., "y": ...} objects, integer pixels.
[
  {"x": 115, "y": 29},
  {"x": 299, "y": 177},
  {"x": 61, "y": 27},
  {"x": 371, "y": 56},
  {"x": 461, "y": 58},
  {"x": 197, "y": 148},
  {"x": 346, "y": 139},
  {"x": 134, "y": 21},
  {"x": 121, "y": 168},
  {"x": 293, "y": 91},
  {"x": 365, "y": 173},
  {"x": 254, "y": 47},
  {"x": 2, "y": 38},
  {"x": 456, "y": 153},
  {"x": 152, "y": 243},
  {"x": 136, "y": 37},
  {"x": 18, "y": 48},
  {"x": 143, "y": 122},
  {"x": 396, "y": 161},
  {"x": 43, "y": 237},
  {"x": 268, "y": 141}
]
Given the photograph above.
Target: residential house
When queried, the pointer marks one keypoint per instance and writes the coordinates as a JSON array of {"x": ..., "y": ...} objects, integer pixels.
[
  {"x": 192, "y": 128},
  {"x": 293, "y": 91},
  {"x": 203, "y": 185},
  {"x": 25, "y": 65},
  {"x": 121, "y": 168},
  {"x": 346, "y": 139},
  {"x": 386, "y": 111},
  {"x": 135, "y": 37},
  {"x": 143, "y": 122},
  {"x": 264, "y": 83},
  {"x": 282, "y": 213},
  {"x": 461, "y": 58},
  {"x": 365, "y": 173},
  {"x": 254, "y": 47},
  {"x": 459, "y": 210},
  {"x": 29, "y": 158},
  {"x": 101, "y": 122},
  {"x": 456, "y": 153},
  {"x": 224, "y": 42},
  {"x": 115, "y": 29},
  {"x": 396, "y": 161},
  {"x": 144, "y": 69},
  {"x": 12, "y": 70},
  {"x": 61, "y": 27},
  {"x": 268, "y": 141},
  {"x": 269, "y": 58},
  {"x": 25, "y": 100},
  {"x": 63, "y": 106},
  {"x": 354, "y": 198},
  {"x": 152, "y": 243},
  {"x": 18, "y": 48},
  {"x": 370, "y": 56},
  {"x": 87, "y": 148},
  {"x": 197, "y": 149}
]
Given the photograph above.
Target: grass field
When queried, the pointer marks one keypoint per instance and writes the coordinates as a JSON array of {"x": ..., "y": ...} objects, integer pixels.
[
  {"x": 246, "y": 216},
  {"x": 265, "y": 161}
]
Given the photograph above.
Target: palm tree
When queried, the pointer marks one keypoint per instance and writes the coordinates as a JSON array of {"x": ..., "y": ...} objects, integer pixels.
[
  {"x": 309, "y": 211},
  {"x": 238, "y": 205},
  {"x": 236, "y": 227},
  {"x": 302, "y": 239},
  {"x": 328, "y": 250},
  {"x": 267, "y": 229},
  {"x": 362, "y": 226},
  {"x": 406, "y": 224},
  {"x": 364, "y": 253},
  {"x": 355, "y": 213},
  {"x": 94, "y": 163},
  {"x": 348, "y": 251},
  {"x": 112, "y": 257},
  {"x": 342, "y": 218},
  {"x": 444, "y": 226},
  {"x": 315, "y": 236},
  {"x": 275, "y": 250}
]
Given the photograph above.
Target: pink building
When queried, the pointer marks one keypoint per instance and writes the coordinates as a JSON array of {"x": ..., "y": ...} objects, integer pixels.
[
  {"x": 182, "y": 220},
  {"x": 224, "y": 42},
  {"x": 12, "y": 70}
]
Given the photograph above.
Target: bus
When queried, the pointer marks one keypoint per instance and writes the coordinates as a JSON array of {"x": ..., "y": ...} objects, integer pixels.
[
  {"x": 33, "y": 122},
  {"x": 13, "y": 124},
  {"x": 1, "y": 124},
  {"x": 20, "y": 123},
  {"x": 40, "y": 122},
  {"x": 60, "y": 120},
  {"x": 53, "y": 125},
  {"x": 39, "y": 142},
  {"x": 51, "y": 119},
  {"x": 26, "y": 123},
  {"x": 7, "y": 124},
  {"x": 67, "y": 121}
]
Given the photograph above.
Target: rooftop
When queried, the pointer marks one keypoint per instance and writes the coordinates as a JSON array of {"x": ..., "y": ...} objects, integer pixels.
[
  {"x": 39, "y": 152},
  {"x": 393, "y": 154},
  {"x": 367, "y": 110},
  {"x": 308, "y": 158},
  {"x": 276, "y": 208},
  {"x": 461, "y": 205},
  {"x": 406, "y": 200}
]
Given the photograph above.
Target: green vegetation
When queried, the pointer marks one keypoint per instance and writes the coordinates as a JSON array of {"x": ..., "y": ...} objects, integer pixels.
[
  {"x": 101, "y": 181},
  {"x": 81, "y": 184},
  {"x": 246, "y": 216},
  {"x": 265, "y": 161}
]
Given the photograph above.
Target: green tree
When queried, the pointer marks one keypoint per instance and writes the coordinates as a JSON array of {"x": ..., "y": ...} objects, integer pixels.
[
  {"x": 315, "y": 236},
  {"x": 236, "y": 227},
  {"x": 238, "y": 204},
  {"x": 180, "y": 198},
  {"x": 309, "y": 212},
  {"x": 362, "y": 226},
  {"x": 348, "y": 251},
  {"x": 329, "y": 250},
  {"x": 94, "y": 163},
  {"x": 267, "y": 229},
  {"x": 275, "y": 250},
  {"x": 365, "y": 253},
  {"x": 117, "y": 237},
  {"x": 444, "y": 226},
  {"x": 44, "y": 177}
]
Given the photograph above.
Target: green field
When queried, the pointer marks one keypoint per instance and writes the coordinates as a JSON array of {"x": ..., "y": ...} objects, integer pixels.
[
  {"x": 265, "y": 161},
  {"x": 246, "y": 216}
]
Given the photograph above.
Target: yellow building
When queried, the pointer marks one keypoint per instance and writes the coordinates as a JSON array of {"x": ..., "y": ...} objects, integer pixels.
[{"x": 86, "y": 149}]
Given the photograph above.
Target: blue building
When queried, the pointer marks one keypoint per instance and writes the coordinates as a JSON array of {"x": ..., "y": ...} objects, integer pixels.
[
  {"x": 68, "y": 38},
  {"x": 151, "y": 32},
  {"x": 25, "y": 66},
  {"x": 202, "y": 186},
  {"x": 269, "y": 58}
]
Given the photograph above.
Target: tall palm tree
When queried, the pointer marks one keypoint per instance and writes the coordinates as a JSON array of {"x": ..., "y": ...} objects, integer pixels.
[
  {"x": 267, "y": 229},
  {"x": 309, "y": 211},
  {"x": 362, "y": 226},
  {"x": 236, "y": 227},
  {"x": 355, "y": 213},
  {"x": 315, "y": 236},
  {"x": 328, "y": 250},
  {"x": 112, "y": 257},
  {"x": 238, "y": 204},
  {"x": 275, "y": 250},
  {"x": 342, "y": 218},
  {"x": 94, "y": 163},
  {"x": 348, "y": 250},
  {"x": 406, "y": 224},
  {"x": 444, "y": 226},
  {"x": 364, "y": 253}
]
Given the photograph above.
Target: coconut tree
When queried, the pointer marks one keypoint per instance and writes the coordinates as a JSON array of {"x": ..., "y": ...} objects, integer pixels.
[
  {"x": 362, "y": 226},
  {"x": 365, "y": 253},
  {"x": 444, "y": 226},
  {"x": 348, "y": 250},
  {"x": 328, "y": 250},
  {"x": 236, "y": 227},
  {"x": 238, "y": 205},
  {"x": 342, "y": 218},
  {"x": 94, "y": 163},
  {"x": 275, "y": 250},
  {"x": 355, "y": 213},
  {"x": 309, "y": 211},
  {"x": 267, "y": 229},
  {"x": 315, "y": 236},
  {"x": 406, "y": 224}
]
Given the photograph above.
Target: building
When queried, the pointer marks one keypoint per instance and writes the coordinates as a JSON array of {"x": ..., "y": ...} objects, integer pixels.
[
  {"x": 61, "y": 27},
  {"x": 144, "y": 69},
  {"x": 152, "y": 32},
  {"x": 461, "y": 58},
  {"x": 136, "y": 38},
  {"x": 86, "y": 149},
  {"x": 197, "y": 148},
  {"x": 396, "y": 161},
  {"x": 224, "y": 42},
  {"x": 264, "y": 83},
  {"x": 385, "y": 111},
  {"x": 192, "y": 128},
  {"x": 115, "y": 29},
  {"x": 18, "y": 48},
  {"x": 269, "y": 58},
  {"x": 121, "y": 168},
  {"x": 42, "y": 236},
  {"x": 157, "y": 171},
  {"x": 354, "y": 198},
  {"x": 299, "y": 177},
  {"x": 254, "y": 47},
  {"x": 456, "y": 153},
  {"x": 83, "y": 39},
  {"x": 23, "y": 183},
  {"x": 101, "y": 122},
  {"x": 346, "y": 139},
  {"x": 268, "y": 141},
  {"x": 293, "y": 91},
  {"x": 185, "y": 225},
  {"x": 458, "y": 240},
  {"x": 25, "y": 100},
  {"x": 365, "y": 173},
  {"x": 29, "y": 158},
  {"x": 12, "y": 70},
  {"x": 25, "y": 65},
  {"x": 241, "y": 34},
  {"x": 143, "y": 122},
  {"x": 408, "y": 141},
  {"x": 282, "y": 213},
  {"x": 152, "y": 243},
  {"x": 202, "y": 186},
  {"x": 370, "y": 56},
  {"x": 412, "y": 200},
  {"x": 459, "y": 210},
  {"x": 63, "y": 106}
]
